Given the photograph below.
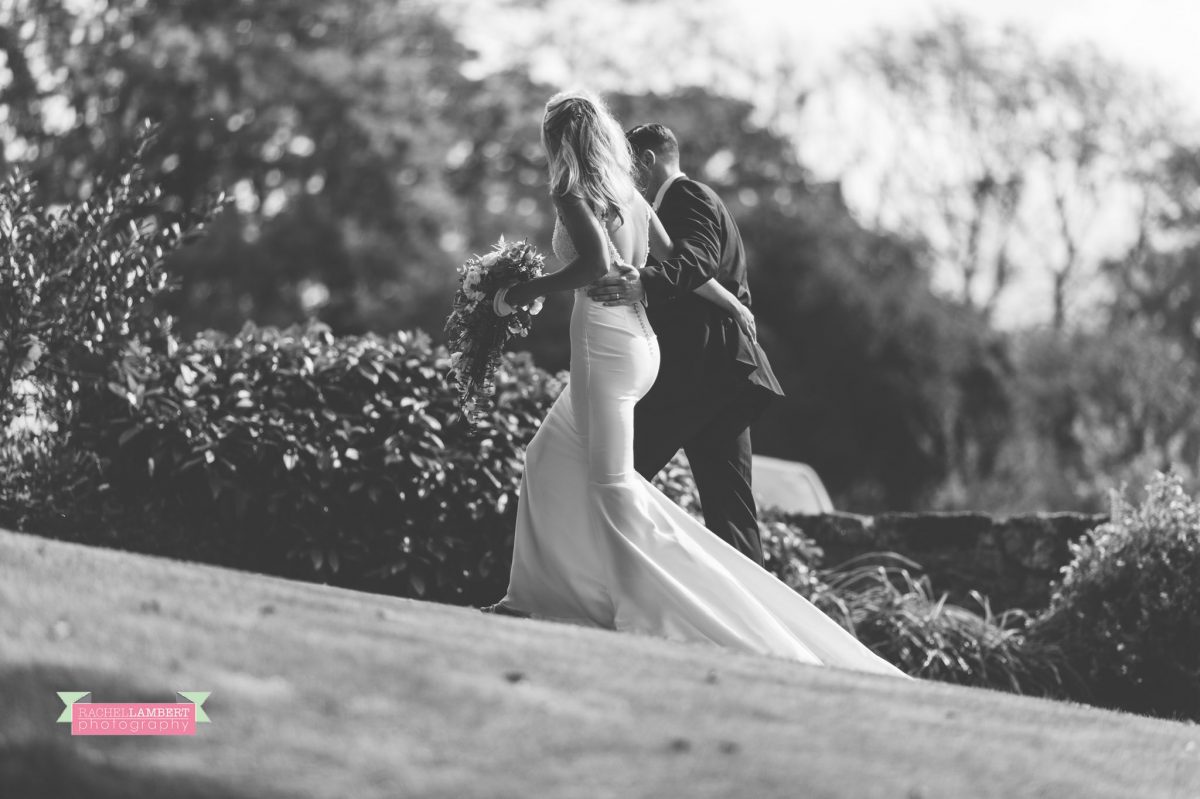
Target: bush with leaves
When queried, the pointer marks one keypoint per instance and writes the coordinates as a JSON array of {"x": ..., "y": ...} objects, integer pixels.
[
  {"x": 1127, "y": 609},
  {"x": 76, "y": 285},
  {"x": 891, "y": 607},
  {"x": 343, "y": 459},
  {"x": 792, "y": 556}
]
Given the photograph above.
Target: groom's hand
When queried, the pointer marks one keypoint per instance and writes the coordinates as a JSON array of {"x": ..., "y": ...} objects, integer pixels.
[
  {"x": 745, "y": 320},
  {"x": 623, "y": 289}
]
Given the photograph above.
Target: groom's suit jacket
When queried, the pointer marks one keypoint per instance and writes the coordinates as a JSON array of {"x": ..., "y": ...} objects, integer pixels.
[{"x": 705, "y": 356}]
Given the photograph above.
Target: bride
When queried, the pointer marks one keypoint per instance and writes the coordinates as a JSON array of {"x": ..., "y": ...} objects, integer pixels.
[{"x": 596, "y": 543}]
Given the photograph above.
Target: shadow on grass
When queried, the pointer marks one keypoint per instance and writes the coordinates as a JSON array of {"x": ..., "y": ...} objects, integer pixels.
[{"x": 40, "y": 758}]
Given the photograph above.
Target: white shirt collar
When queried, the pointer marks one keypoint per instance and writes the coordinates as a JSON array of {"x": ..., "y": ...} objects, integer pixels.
[{"x": 662, "y": 190}]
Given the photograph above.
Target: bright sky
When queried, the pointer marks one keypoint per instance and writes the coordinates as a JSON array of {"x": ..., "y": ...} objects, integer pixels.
[{"x": 1160, "y": 35}]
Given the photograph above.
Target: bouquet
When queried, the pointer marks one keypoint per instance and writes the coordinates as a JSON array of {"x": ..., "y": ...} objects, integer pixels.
[{"x": 475, "y": 334}]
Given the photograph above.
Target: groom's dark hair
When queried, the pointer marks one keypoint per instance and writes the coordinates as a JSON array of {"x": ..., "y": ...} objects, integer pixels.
[{"x": 653, "y": 136}]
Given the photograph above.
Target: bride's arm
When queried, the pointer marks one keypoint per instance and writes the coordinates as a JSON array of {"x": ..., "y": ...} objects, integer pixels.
[{"x": 591, "y": 263}]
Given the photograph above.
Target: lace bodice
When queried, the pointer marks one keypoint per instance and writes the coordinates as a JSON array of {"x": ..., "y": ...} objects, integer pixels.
[{"x": 565, "y": 250}]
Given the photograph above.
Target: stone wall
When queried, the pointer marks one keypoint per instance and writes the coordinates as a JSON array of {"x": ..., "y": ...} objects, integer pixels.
[{"x": 1012, "y": 560}]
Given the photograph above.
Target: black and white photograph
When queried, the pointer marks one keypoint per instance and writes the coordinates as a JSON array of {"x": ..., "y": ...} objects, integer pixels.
[{"x": 490, "y": 399}]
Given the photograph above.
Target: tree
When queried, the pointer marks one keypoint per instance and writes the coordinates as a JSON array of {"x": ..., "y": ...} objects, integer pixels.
[
  {"x": 896, "y": 396},
  {"x": 1157, "y": 283},
  {"x": 1097, "y": 410},
  {"x": 1004, "y": 158},
  {"x": 1105, "y": 130},
  {"x": 325, "y": 121}
]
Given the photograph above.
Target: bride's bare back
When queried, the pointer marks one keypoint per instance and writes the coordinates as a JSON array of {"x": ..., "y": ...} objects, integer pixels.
[{"x": 635, "y": 235}]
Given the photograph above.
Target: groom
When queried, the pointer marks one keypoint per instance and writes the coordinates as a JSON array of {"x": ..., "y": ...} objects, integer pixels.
[{"x": 714, "y": 379}]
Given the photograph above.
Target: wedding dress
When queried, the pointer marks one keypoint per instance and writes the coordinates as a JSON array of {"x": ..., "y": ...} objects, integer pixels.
[{"x": 597, "y": 544}]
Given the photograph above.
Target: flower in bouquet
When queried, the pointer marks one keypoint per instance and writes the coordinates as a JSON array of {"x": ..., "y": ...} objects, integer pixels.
[{"x": 475, "y": 334}]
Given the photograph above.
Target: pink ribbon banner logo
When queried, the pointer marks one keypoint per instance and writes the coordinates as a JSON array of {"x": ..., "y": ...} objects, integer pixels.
[{"x": 133, "y": 718}]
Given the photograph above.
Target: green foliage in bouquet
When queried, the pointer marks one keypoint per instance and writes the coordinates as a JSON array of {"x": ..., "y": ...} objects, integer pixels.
[
  {"x": 475, "y": 334},
  {"x": 1127, "y": 610}
]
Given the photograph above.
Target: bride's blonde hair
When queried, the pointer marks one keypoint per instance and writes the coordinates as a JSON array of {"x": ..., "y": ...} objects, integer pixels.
[{"x": 587, "y": 152}]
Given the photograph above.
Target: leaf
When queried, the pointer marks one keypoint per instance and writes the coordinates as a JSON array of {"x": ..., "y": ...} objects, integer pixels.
[
  {"x": 128, "y": 435},
  {"x": 492, "y": 478}
]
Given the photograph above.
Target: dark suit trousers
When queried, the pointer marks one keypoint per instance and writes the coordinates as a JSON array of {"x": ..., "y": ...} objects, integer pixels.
[{"x": 716, "y": 441}]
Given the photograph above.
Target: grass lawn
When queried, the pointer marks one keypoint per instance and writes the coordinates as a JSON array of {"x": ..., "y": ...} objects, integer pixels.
[{"x": 324, "y": 692}]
